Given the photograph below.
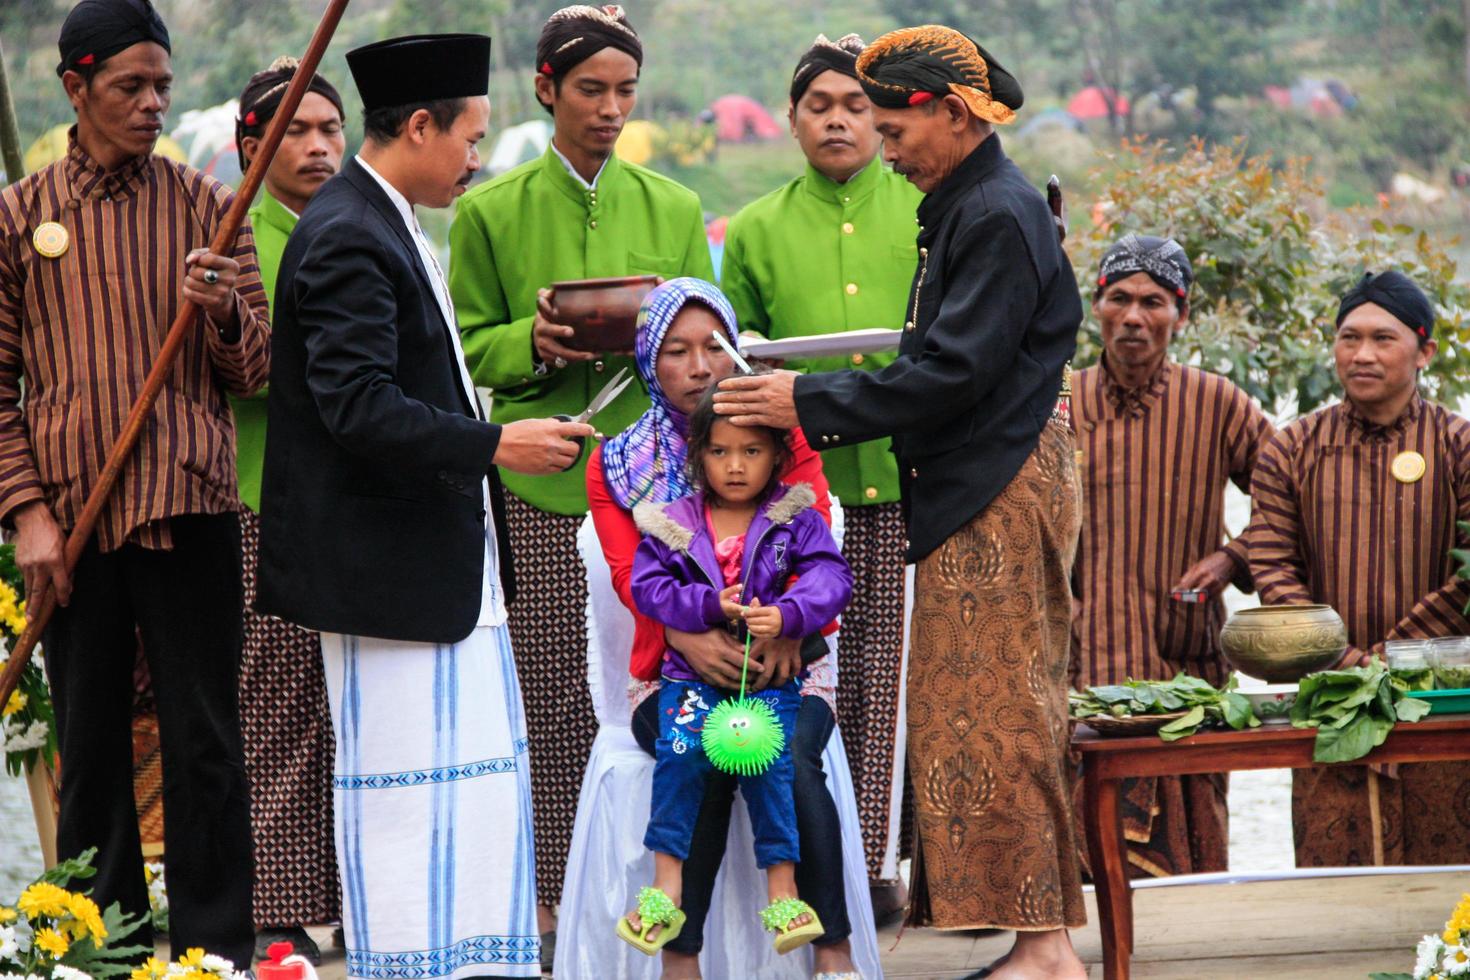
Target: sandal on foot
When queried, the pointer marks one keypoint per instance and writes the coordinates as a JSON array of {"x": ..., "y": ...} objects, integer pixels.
[
  {"x": 777, "y": 918},
  {"x": 655, "y": 908}
]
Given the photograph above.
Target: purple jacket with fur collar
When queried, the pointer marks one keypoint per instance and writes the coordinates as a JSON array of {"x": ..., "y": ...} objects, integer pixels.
[{"x": 677, "y": 578}]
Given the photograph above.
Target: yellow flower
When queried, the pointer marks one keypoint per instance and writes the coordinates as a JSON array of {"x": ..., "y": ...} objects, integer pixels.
[
  {"x": 193, "y": 957},
  {"x": 6, "y": 915},
  {"x": 53, "y": 942},
  {"x": 43, "y": 898},
  {"x": 152, "y": 969},
  {"x": 88, "y": 920},
  {"x": 17, "y": 702}
]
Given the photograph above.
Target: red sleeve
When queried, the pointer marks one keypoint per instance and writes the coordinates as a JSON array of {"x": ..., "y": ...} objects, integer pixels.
[
  {"x": 619, "y": 538},
  {"x": 806, "y": 467}
]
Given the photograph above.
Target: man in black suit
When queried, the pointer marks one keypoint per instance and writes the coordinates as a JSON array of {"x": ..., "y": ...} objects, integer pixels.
[{"x": 382, "y": 526}]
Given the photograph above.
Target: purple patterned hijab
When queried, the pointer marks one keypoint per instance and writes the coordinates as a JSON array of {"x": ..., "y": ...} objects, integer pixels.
[{"x": 646, "y": 461}]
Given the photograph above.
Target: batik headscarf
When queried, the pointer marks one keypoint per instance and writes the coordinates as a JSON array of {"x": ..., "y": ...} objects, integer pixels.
[
  {"x": 646, "y": 461},
  {"x": 574, "y": 34},
  {"x": 262, "y": 97},
  {"x": 914, "y": 65},
  {"x": 1163, "y": 259},
  {"x": 95, "y": 30},
  {"x": 840, "y": 56},
  {"x": 1396, "y": 293}
]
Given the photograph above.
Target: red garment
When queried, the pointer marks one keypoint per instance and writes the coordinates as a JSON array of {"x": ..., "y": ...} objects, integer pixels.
[{"x": 619, "y": 538}]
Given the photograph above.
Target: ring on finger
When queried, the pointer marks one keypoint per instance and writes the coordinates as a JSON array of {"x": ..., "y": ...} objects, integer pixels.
[
  {"x": 560, "y": 362},
  {"x": 210, "y": 276}
]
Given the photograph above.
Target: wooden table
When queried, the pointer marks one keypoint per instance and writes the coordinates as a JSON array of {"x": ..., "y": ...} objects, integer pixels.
[{"x": 1108, "y": 760}]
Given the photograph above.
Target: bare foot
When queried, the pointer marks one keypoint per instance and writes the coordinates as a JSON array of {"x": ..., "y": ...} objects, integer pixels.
[{"x": 1041, "y": 956}]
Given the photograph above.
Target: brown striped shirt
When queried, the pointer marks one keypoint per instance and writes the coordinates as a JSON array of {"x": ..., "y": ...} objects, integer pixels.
[
  {"x": 1154, "y": 461},
  {"x": 1331, "y": 523},
  {"x": 80, "y": 332}
]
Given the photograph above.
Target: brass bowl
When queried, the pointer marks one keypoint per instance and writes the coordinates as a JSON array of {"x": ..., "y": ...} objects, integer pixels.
[
  {"x": 1281, "y": 644},
  {"x": 603, "y": 313}
]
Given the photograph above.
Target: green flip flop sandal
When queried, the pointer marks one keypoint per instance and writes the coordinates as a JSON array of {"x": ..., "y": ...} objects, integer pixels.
[
  {"x": 777, "y": 917},
  {"x": 655, "y": 908}
]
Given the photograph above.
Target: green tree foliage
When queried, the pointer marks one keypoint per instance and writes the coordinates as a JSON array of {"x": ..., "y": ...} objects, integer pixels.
[{"x": 1270, "y": 265}]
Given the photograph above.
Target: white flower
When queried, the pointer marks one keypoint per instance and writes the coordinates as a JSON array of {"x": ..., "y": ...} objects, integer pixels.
[
  {"x": 59, "y": 972},
  {"x": 9, "y": 948},
  {"x": 1456, "y": 961},
  {"x": 217, "y": 965},
  {"x": 18, "y": 739},
  {"x": 1429, "y": 951}
]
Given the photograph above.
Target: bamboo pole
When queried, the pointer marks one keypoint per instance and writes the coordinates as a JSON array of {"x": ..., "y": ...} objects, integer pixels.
[
  {"x": 40, "y": 607},
  {"x": 10, "y": 154}
]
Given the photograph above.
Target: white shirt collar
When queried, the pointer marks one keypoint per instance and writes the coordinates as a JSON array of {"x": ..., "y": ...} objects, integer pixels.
[
  {"x": 573, "y": 170},
  {"x": 399, "y": 201}
]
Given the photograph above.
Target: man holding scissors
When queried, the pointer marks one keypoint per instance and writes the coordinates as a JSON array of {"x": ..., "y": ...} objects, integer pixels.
[{"x": 382, "y": 526}]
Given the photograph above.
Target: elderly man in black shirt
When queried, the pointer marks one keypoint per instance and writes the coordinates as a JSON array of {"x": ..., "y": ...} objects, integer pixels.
[{"x": 976, "y": 406}]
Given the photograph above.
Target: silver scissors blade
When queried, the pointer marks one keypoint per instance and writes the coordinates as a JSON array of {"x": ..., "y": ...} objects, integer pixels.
[
  {"x": 740, "y": 362},
  {"x": 609, "y": 391}
]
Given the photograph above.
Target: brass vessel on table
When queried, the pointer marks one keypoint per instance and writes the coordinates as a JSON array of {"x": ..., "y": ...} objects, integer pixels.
[{"x": 1282, "y": 644}]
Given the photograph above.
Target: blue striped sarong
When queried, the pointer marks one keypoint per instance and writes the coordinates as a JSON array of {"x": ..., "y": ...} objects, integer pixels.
[{"x": 432, "y": 787}]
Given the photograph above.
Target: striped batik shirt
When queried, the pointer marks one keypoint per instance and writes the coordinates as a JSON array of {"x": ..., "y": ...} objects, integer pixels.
[
  {"x": 79, "y": 333},
  {"x": 1332, "y": 524},
  {"x": 1154, "y": 461}
]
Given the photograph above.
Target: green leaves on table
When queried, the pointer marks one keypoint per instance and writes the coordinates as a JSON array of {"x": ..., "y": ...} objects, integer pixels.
[
  {"x": 1353, "y": 710},
  {"x": 1201, "y": 701}
]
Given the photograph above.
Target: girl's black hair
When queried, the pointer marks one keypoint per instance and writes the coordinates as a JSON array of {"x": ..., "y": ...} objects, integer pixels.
[{"x": 702, "y": 422}]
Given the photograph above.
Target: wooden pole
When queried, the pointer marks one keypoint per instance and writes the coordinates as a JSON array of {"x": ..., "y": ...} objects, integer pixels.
[
  {"x": 40, "y": 607},
  {"x": 10, "y": 154}
]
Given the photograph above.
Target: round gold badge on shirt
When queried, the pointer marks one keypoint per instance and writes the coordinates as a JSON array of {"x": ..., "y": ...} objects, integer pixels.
[
  {"x": 51, "y": 240},
  {"x": 1407, "y": 467}
]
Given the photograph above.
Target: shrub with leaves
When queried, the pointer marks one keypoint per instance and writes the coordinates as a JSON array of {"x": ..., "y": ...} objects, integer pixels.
[{"x": 1270, "y": 264}]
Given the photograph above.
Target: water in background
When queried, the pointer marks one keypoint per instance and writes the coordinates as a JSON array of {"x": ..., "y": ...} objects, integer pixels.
[{"x": 20, "y": 855}]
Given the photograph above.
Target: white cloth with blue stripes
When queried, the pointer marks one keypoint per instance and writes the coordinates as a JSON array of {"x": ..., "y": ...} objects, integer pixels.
[{"x": 432, "y": 790}]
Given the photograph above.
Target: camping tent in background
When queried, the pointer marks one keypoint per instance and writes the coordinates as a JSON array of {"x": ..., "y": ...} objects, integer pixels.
[
  {"x": 518, "y": 144},
  {"x": 640, "y": 141},
  {"x": 206, "y": 133},
  {"x": 741, "y": 119},
  {"x": 1051, "y": 119},
  {"x": 1092, "y": 103},
  {"x": 1323, "y": 98},
  {"x": 51, "y": 146}
]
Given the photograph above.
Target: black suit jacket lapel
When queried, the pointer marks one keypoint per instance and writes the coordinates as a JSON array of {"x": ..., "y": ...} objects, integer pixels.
[{"x": 368, "y": 186}]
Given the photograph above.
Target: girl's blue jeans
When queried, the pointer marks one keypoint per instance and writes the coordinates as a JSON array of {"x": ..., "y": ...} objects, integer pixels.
[{"x": 681, "y": 771}]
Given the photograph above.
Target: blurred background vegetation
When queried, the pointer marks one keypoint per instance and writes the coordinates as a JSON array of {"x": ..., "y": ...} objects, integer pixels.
[{"x": 1289, "y": 145}]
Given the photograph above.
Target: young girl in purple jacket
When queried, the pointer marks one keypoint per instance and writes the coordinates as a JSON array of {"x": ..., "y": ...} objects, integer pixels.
[{"x": 748, "y": 553}]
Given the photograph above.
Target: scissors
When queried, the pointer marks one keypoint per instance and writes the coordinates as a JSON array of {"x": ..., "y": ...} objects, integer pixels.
[
  {"x": 604, "y": 398},
  {"x": 740, "y": 362}
]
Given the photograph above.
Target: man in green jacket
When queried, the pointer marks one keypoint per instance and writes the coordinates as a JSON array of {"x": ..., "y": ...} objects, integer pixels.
[
  {"x": 576, "y": 213},
  {"x": 833, "y": 250},
  {"x": 284, "y": 718}
]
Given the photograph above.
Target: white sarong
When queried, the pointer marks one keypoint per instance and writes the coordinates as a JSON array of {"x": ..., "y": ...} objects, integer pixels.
[{"x": 432, "y": 788}]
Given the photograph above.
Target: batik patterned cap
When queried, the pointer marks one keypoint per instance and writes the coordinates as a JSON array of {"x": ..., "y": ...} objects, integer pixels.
[
  {"x": 1163, "y": 259},
  {"x": 914, "y": 65},
  {"x": 840, "y": 56}
]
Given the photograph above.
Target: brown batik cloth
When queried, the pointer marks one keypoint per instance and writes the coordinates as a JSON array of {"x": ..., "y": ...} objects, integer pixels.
[
  {"x": 148, "y": 773},
  {"x": 286, "y": 725},
  {"x": 548, "y": 631},
  {"x": 987, "y": 709},
  {"x": 869, "y": 655},
  {"x": 1421, "y": 814}
]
